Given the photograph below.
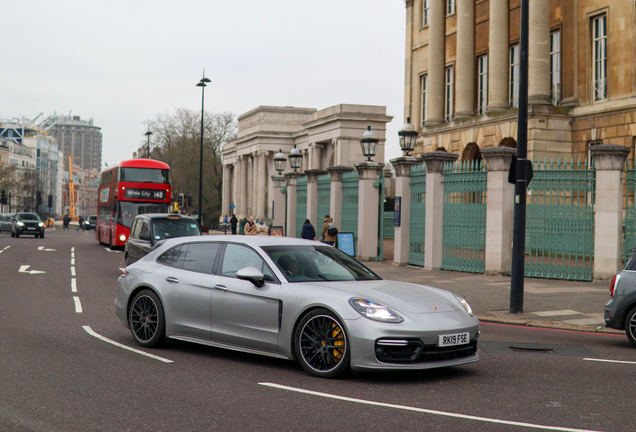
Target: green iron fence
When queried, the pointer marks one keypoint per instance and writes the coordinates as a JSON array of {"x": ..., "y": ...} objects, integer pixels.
[
  {"x": 350, "y": 204},
  {"x": 560, "y": 221},
  {"x": 324, "y": 200},
  {"x": 464, "y": 226},
  {"x": 301, "y": 205},
  {"x": 388, "y": 230},
  {"x": 417, "y": 225}
]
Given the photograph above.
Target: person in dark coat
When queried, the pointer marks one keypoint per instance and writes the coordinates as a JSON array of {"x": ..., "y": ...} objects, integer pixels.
[
  {"x": 233, "y": 223},
  {"x": 308, "y": 232}
]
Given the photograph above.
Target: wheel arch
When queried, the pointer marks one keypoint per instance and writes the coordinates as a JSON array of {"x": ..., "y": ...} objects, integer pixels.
[
  {"x": 629, "y": 305},
  {"x": 302, "y": 314},
  {"x": 134, "y": 292}
]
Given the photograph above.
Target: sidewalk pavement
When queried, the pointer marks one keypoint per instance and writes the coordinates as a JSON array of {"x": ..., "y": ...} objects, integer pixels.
[{"x": 547, "y": 302}]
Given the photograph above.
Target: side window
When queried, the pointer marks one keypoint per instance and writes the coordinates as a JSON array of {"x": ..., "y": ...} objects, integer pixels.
[
  {"x": 174, "y": 257},
  {"x": 144, "y": 228},
  {"x": 200, "y": 257},
  {"x": 237, "y": 257},
  {"x": 134, "y": 232}
]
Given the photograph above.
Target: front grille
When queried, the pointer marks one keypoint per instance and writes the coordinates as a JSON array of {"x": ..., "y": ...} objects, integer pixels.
[{"x": 414, "y": 351}]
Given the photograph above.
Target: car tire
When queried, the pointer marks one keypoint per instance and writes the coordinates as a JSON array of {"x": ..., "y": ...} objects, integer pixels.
[
  {"x": 147, "y": 319},
  {"x": 630, "y": 326},
  {"x": 99, "y": 238},
  {"x": 322, "y": 345},
  {"x": 42, "y": 234}
]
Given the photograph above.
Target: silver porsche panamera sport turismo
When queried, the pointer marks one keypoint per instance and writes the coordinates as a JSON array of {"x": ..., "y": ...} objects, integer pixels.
[{"x": 294, "y": 299}]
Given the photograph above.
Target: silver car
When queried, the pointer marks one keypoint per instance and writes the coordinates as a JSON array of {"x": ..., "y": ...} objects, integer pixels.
[{"x": 292, "y": 299}]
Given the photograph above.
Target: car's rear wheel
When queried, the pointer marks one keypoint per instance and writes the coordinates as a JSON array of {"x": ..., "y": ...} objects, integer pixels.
[
  {"x": 146, "y": 319},
  {"x": 630, "y": 326},
  {"x": 322, "y": 345}
]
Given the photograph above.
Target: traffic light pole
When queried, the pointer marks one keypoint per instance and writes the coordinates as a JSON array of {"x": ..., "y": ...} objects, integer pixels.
[{"x": 521, "y": 184}]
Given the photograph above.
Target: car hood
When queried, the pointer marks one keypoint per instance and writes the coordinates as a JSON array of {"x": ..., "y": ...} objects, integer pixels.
[{"x": 402, "y": 296}]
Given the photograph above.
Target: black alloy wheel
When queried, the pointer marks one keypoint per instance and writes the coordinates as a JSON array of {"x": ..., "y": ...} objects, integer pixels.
[
  {"x": 322, "y": 346},
  {"x": 630, "y": 326},
  {"x": 146, "y": 319}
]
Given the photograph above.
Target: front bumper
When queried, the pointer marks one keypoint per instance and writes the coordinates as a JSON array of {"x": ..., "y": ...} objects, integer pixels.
[{"x": 28, "y": 230}]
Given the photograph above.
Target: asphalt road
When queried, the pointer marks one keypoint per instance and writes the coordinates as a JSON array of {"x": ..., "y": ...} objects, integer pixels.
[{"x": 57, "y": 375}]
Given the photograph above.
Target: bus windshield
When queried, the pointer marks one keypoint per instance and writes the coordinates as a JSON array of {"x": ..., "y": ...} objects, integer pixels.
[
  {"x": 126, "y": 211},
  {"x": 144, "y": 175}
]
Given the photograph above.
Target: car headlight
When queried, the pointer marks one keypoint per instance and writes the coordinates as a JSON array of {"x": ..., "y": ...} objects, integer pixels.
[
  {"x": 41, "y": 224},
  {"x": 122, "y": 238},
  {"x": 374, "y": 311},
  {"x": 19, "y": 223},
  {"x": 86, "y": 222},
  {"x": 465, "y": 304}
]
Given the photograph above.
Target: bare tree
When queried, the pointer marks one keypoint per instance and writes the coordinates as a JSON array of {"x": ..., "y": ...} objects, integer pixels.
[{"x": 177, "y": 141}]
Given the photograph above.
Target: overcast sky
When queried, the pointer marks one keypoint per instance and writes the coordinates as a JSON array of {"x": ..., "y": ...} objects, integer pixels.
[{"x": 123, "y": 62}]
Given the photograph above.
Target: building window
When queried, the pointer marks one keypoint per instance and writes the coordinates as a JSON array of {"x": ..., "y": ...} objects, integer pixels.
[
  {"x": 555, "y": 67},
  {"x": 423, "y": 106},
  {"x": 450, "y": 7},
  {"x": 482, "y": 84},
  {"x": 599, "y": 54},
  {"x": 514, "y": 76},
  {"x": 448, "y": 106},
  {"x": 425, "y": 12},
  {"x": 590, "y": 144}
]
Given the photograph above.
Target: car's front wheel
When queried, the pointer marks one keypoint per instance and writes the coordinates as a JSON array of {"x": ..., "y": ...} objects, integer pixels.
[
  {"x": 146, "y": 319},
  {"x": 630, "y": 326},
  {"x": 322, "y": 344},
  {"x": 42, "y": 234}
]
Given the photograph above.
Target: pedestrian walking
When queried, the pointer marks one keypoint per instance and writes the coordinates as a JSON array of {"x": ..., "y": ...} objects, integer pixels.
[
  {"x": 66, "y": 221},
  {"x": 308, "y": 232},
  {"x": 233, "y": 223},
  {"x": 329, "y": 231},
  {"x": 81, "y": 224}
]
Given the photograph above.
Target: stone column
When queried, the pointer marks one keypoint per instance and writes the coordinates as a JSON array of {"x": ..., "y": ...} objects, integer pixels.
[
  {"x": 227, "y": 199},
  {"x": 436, "y": 62},
  {"x": 498, "y": 56},
  {"x": 316, "y": 160},
  {"x": 312, "y": 196},
  {"x": 465, "y": 74},
  {"x": 402, "y": 167},
  {"x": 539, "y": 53},
  {"x": 279, "y": 201},
  {"x": 241, "y": 192},
  {"x": 260, "y": 183},
  {"x": 292, "y": 188},
  {"x": 609, "y": 160},
  {"x": 499, "y": 210},
  {"x": 434, "y": 248},
  {"x": 335, "y": 204},
  {"x": 368, "y": 209}
]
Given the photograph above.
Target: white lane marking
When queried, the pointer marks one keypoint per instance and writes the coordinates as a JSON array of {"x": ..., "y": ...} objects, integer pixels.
[
  {"x": 72, "y": 254},
  {"x": 1, "y": 250},
  {"x": 73, "y": 285},
  {"x": 424, "y": 410},
  {"x": 610, "y": 361},
  {"x": 25, "y": 269},
  {"x": 6, "y": 248},
  {"x": 557, "y": 313},
  {"x": 78, "y": 304},
  {"x": 72, "y": 261},
  {"x": 122, "y": 269},
  {"x": 110, "y": 250},
  {"x": 41, "y": 248},
  {"x": 91, "y": 332},
  {"x": 73, "y": 249},
  {"x": 73, "y": 271}
]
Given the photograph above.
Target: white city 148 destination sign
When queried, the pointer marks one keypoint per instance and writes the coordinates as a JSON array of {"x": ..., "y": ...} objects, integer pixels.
[
  {"x": 454, "y": 339},
  {"x": 156, "y": 194}
]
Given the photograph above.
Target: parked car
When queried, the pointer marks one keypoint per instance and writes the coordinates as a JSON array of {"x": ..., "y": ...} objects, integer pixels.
[
  {"x": 5, "y": 221},
  {"x": 620, "y": 311},
  {"x": 292, "y": 299},
  {"x": 149, "y": 229},
  {"x": 90, "y": 223},
  {"x": 27, "y": 223}
]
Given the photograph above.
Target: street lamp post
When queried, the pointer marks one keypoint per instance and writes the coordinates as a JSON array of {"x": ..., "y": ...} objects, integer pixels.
[
  {"x": 369, "y": 144},
  {"x": 148, "y": 142},
  {"x": 408, "y": 135},
  {"x": 201, "y": 84}
]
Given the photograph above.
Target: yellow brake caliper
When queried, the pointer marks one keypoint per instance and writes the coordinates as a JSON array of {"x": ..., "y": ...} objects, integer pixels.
[{"x": 335, "y": 330}]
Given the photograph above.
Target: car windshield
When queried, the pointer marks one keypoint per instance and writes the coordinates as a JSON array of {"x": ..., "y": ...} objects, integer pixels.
[
  {"x": 28, "y": 216},
  {"x": 317, "y": 263},
  {"x": 92, "y": 218},
  {"x": 168, "y": 228},
  {"x": 126, "y": 211},
  {"x": 145, "y": 175}
]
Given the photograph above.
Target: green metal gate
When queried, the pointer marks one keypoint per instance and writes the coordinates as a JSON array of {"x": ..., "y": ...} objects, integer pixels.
[
  {"x": 464, "y": 226},
  {"x": 301, "y": 204},
  {"x": 350, "y": 204},
  {"x": 417, "y": 225},
  {"x": 388, "y": 230},
  {"x": 560, "y": 221},
  {"x": 324, "y": 200},
  {"x": 629, "y": 222}
]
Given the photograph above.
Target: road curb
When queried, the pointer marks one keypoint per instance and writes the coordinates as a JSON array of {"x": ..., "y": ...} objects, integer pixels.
[{"x": 548, "y": 324}]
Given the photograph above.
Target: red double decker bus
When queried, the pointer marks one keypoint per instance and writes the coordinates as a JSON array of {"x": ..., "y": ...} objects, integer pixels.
[{"x": 127, "y": 189}]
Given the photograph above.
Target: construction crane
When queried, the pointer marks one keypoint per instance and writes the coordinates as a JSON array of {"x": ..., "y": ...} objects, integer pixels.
[{"x": 71, "y": 190}]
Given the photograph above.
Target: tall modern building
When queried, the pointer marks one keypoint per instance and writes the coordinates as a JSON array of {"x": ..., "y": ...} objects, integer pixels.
[
  {"x": 79, "y": 138},
  {"x": 462, "y": 75}
]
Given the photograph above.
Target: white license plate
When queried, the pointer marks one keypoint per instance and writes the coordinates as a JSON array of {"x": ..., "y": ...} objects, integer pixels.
[
  {"x": 30, "y": 227},
  {"x": 454, "y": 339}
]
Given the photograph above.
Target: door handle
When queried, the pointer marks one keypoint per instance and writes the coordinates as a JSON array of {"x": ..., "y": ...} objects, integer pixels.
[
  {"x": 220, "y": 287},
  {"x": 172, "y": 279}
]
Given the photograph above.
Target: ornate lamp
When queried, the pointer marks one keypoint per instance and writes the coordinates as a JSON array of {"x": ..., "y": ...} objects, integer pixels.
[
  {"x": 295, "y": 158},
  {"x": 279, "y": 162},
  {"x": 369, "y": 144},
  {"x": 408, "y": 136}
]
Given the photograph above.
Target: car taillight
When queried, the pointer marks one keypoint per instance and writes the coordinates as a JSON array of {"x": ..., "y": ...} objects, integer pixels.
[{"x": 614, "y": 284}]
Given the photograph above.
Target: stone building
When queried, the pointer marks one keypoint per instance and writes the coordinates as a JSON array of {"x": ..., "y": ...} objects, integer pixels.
[
  {"x": 79, "y": 138},
  {"x": 326, "y": 138},
  {"x": 462, "y": 75}
]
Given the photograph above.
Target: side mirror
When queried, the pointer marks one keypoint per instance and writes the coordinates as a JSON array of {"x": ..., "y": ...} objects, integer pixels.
[
  {"x": 144, "y": 236},
  {"x": 252, "y": 275}
]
